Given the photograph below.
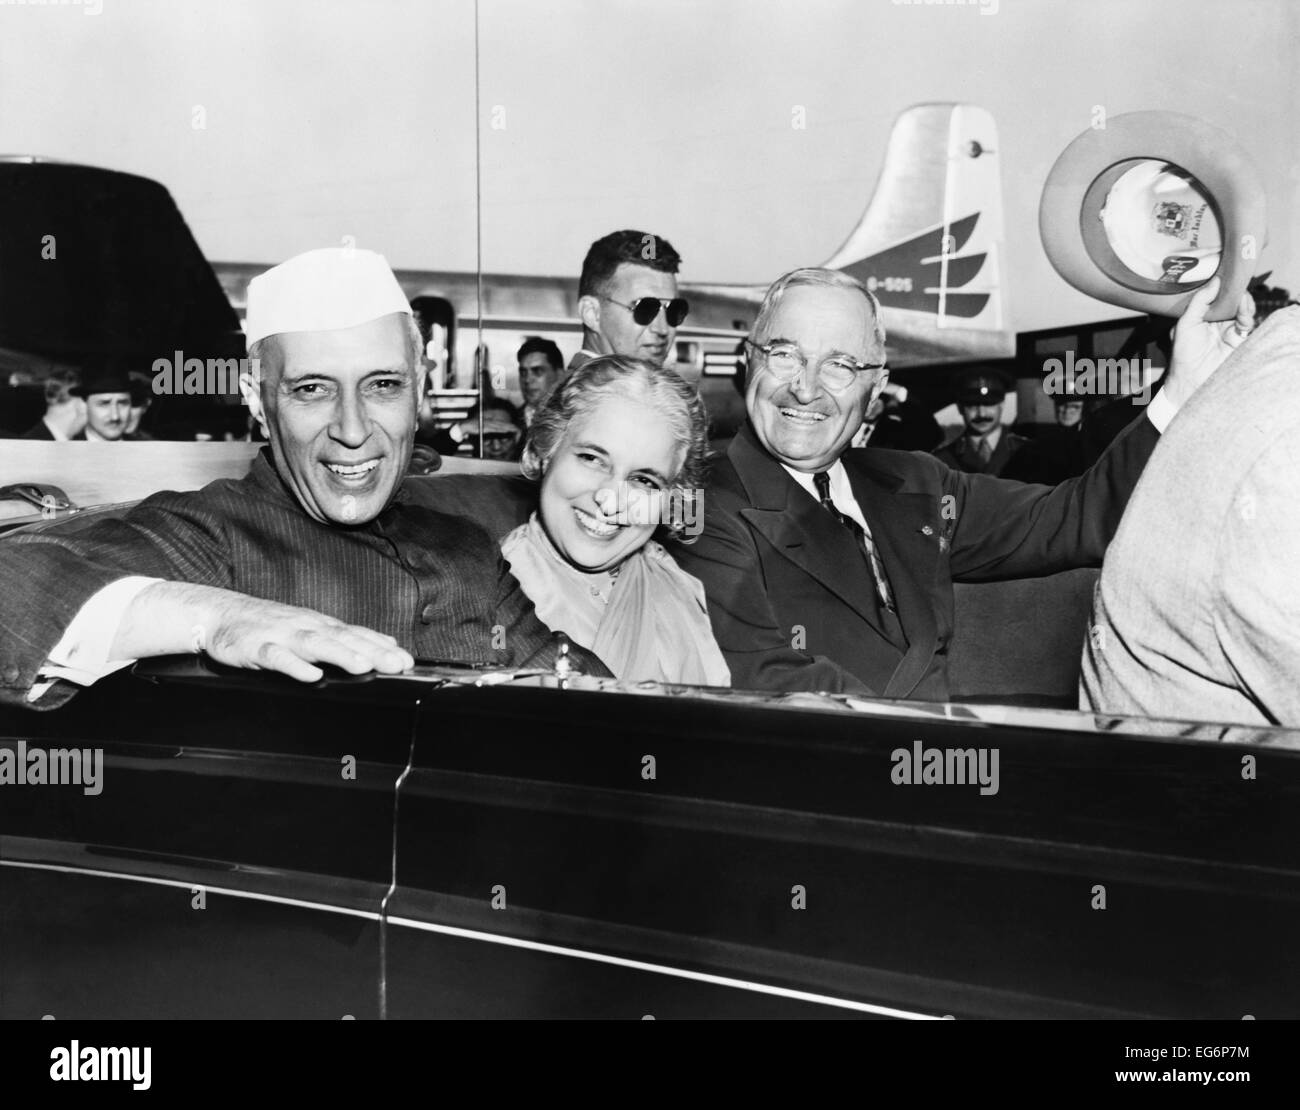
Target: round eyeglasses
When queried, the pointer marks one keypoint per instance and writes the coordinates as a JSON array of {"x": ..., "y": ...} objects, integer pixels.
[{"x": 784, "y": 360}]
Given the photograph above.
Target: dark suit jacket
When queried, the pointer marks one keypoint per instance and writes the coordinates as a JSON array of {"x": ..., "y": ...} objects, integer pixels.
[
  {"x": 906, "y": 426},
  {"x": 41, "y": 430},
  {"x": 435, "y": 582},
  {"x": 791, "y": 597}
]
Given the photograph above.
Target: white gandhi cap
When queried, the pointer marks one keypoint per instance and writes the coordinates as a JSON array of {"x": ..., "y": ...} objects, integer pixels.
[{"x": 322, "y": 290}]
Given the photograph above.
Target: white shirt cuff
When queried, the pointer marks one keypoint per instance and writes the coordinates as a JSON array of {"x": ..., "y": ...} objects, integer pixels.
[
  {"x": 81, "y": 656},
  {"x": 1161, "y": 411}
]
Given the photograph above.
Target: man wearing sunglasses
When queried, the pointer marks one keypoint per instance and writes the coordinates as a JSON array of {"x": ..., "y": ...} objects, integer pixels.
[
  {"x": 832, "y": 569},
  {"x": 627, "y": 298}
]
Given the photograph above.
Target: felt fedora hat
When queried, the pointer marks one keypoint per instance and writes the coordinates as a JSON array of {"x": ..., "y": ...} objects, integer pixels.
[{"x": 1143, "y": 211}]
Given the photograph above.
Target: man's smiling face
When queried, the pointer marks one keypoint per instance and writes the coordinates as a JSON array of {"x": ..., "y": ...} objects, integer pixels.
[
  {"x": 801, "y": 422},
  {"x": 339, "y": 408}
]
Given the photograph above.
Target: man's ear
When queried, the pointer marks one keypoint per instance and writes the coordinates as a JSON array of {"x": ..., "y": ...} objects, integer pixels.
[
  {"x": 878, "y": 388},
  {"x": 250, "y": 389},
  {"x": 589, "y": 311}
]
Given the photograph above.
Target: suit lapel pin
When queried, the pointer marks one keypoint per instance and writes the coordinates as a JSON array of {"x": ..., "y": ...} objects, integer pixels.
[{"x": 926, "y": 530}]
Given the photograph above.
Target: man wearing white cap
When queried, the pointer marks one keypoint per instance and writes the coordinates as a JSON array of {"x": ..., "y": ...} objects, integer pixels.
[{"x": 316, "y": 557}]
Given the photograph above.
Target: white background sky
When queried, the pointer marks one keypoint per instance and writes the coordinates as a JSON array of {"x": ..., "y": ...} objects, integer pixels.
[{"x": 337, "y": 117}]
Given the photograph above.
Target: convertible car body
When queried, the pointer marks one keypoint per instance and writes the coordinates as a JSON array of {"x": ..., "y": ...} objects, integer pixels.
[{"x": 456, "y": 844}]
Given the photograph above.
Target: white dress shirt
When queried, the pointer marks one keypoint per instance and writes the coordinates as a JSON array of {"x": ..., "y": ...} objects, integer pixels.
[
  {"x": 81, "y": 655},
  {"x": 841, "y": 491}
]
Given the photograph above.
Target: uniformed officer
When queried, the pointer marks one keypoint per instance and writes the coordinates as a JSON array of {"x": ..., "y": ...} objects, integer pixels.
[{"x": 983, "y": 446}]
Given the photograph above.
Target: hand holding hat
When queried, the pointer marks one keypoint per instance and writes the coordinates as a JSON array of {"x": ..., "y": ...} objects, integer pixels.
[
  {"x": 1142, "y": 211},
  {"x": 1200, "y": 345}
]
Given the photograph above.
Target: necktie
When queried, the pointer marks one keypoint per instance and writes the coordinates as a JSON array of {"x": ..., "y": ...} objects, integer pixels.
[
  {"x": 823, "y": 483},
  {"x": 984, "y": 451}
]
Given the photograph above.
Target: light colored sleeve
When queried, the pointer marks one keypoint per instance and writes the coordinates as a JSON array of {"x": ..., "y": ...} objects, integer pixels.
[
  {"x": 1161, "y": 411},
  {"x": 81, "y": 656},
  {"x": 1257, "y": 618}
]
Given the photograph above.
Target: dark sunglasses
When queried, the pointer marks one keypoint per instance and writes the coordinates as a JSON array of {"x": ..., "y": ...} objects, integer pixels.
[{"x": 645, "y": 309}]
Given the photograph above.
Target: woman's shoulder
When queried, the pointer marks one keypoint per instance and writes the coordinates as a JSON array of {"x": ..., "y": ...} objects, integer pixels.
[
  {"x": 520, "y": 538},
  {"x": 512, "y": 539}
]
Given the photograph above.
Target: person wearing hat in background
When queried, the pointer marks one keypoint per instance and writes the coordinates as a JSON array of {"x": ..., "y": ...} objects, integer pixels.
[
  {"x": 983, "y": 446},
  {"x": 1069, "y": 409},
  {"x": 317, "y": 557},
  {"x": 108, "y": 404},
  {"x": 1061, "y": 450},
  {"x": 107, "y": 389},
  {"x": 503, "y": 433},
  {"x": 503, "y": 430},
  {"x": 65, "y": 408}
]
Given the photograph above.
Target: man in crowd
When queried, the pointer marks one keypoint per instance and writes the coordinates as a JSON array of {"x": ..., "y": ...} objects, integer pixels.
[
  {"x": 627, "y": 298},
  {"x": 540, "y": 367},
  {"x": 829, "y": 569},
  {"x": 65, "y": 409},
  {"x": 983, "y": 446},
  {"x": 108, "y": 404},
  {"x": 502, "y": 427},
  {"x": 317, "y": 557},
  {"x": 1196, "y": 611}
]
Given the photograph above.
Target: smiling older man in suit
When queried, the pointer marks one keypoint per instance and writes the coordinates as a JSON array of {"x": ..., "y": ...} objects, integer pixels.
[
  {"x": 832, "y": 569},
  {"x": 318, "y": 557}
]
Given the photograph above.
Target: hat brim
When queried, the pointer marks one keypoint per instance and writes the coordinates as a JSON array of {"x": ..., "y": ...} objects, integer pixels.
[{"x": 1076, "y": 189}]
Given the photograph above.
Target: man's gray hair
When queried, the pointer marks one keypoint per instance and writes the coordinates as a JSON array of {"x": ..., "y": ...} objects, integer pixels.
[{"x": 823, "y": 278}]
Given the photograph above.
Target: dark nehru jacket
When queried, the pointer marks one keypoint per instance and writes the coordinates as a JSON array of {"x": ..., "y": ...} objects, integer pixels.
[
  {"x": 435, "y": 582},
  {"x": 791, "y": 598}
]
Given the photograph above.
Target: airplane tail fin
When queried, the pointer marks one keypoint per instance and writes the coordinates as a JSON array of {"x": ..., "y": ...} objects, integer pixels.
[{"x": 931, "y": 239}]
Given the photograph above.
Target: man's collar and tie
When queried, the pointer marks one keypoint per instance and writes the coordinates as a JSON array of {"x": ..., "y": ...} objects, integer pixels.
[
  {"x": 861, "y": 532},
  {"x": 982, "y": 447},
  {"x": 833, "y": 490}
]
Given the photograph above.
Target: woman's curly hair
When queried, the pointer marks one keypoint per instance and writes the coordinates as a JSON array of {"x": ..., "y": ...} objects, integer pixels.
[{"x": 663, "y": 390}]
